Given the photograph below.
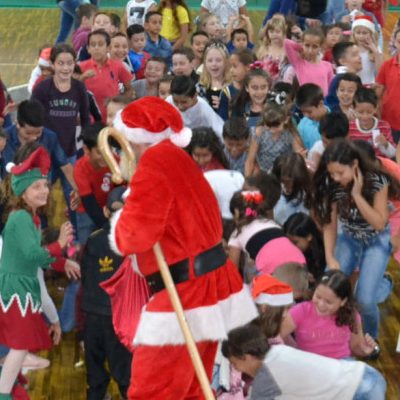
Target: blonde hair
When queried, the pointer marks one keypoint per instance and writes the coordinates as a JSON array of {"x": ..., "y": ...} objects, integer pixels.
[
  {"x": 203, "y": 19},
  {"x": 276, "y": 22},
  {"x": 205, "y": 77},
  {"x": 374, "y": 35}
]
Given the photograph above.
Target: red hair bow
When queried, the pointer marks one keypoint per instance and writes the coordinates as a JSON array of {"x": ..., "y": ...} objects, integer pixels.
[
  {"x": 257, "y": 65},
  {"x": 253, "y": 196}
]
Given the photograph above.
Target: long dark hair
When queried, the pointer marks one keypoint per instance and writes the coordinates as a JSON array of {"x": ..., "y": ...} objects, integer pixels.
[
  {"x": 294, "y": 167},
  {"x": 270, "y": 321},
  {"x": 302, "y": 225},
  {"x": 340, "y": 284},
  {"x": 174, "y": 6},
  {"x": 249, "y": 207},
  {"x": 205, "y": 137},
  {"x": 344, "y": 152},
  {"x": 242, "y": 98}
]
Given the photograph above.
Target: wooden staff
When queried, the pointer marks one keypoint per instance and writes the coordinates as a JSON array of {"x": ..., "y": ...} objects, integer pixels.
[{"x": 104, "y": 148}]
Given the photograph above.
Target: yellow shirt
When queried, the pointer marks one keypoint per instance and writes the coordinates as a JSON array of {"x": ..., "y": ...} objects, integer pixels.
[{"x": 170, "y": 29}]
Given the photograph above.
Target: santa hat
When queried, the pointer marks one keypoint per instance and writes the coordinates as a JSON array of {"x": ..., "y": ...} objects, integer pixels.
[
  {"x": 44, "y": 58},
  {"x": 151, "y": 120},
  {"x": 269, "y": 290},
  {"x": 363, "y": 20},
  {"x": 35, "y": 167}
]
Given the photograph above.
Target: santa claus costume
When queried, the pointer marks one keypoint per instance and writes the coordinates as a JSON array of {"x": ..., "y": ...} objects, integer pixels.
[
  {"x": 170, "y": 202},
  {"x": 22, "y": 326}
]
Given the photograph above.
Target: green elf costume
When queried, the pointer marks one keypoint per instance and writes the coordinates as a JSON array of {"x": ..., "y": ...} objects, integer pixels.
[{"x": 22, "y": 326}]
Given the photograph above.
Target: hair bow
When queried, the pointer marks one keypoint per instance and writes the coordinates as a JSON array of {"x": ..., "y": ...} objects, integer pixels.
[
  {"x": 257, "y": 65},
  {"x": 253, "y": 196},
  {"x": 278, "y": 98},
  {"x": 249, "y": 212}
]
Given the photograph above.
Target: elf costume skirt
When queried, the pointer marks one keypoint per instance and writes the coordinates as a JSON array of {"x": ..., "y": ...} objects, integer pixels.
[{"x": 23, "y": 332}]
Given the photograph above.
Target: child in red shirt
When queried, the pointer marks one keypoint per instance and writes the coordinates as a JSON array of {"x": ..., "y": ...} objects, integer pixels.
[
  {"x": 93, "y": 180},
  {"x": 103, "y": 75},
  {"x": 388, "y": 80},
  {"x": 367, "y": 127}
]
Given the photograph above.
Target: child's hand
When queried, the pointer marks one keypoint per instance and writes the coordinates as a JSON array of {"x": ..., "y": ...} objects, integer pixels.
[
  {"x": 74, "y": 200},
  {"x": 9, "y": 108},
  {"x": 313, "y": 23},
  {"x": 381, "y": 141},
  {"x": 346, "y": 19},
  {"x": 72, "y": 269},
  {"x": 333, "y": 263},
  {"x": 370, "y": 45},
  {"x": 368, "y": 345},
  {"x": 358, "y": 181},
  {"x": 87, "y": 74},
  {"x": 66, "y": 234},
  {"x": 55, "y": 332},
  {"x": 215, "y": 101}
]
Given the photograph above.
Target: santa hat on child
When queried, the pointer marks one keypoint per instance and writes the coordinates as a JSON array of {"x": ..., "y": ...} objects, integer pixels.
[
  {"x": 151, "y": 120},
  {"x": 35, "y": 167},
  {"x": 44, "y": 57},
  {"x": 269, "y": 290},
  {"x": 363, "y": 20}
]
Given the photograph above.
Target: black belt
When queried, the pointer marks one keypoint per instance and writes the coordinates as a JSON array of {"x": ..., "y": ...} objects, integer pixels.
[{"x": 205, "y": 262}]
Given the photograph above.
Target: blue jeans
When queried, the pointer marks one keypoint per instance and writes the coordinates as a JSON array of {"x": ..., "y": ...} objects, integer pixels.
[
  {"x": 85, "y": 227},
  {"x": 372, "y": 259},
  {"x": 333, "y": 8},
  {"x": 284, "y": 7},
  {"x": 67, "y": 189},
  {"x": 68, "y": 17},
  {"x": 372, "y": 385},
  {"x": 67, "y": 312}
]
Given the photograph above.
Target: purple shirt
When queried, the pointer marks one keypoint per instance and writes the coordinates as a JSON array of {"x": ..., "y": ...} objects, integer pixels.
[{"x": 63, "y": 110}]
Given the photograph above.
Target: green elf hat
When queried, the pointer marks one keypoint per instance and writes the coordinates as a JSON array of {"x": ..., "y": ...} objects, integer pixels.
[{"x": 35, "y": 167}]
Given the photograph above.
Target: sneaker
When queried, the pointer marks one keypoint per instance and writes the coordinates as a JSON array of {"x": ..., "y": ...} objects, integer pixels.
[{"x": 375, "y": 353}]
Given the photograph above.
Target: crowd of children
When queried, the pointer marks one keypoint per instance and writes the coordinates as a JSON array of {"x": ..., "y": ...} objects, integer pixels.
[{"x": 296, "y": 129}]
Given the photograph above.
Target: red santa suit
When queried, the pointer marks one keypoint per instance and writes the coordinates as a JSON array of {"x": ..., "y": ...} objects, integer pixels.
[{"x": 171, "y": 202}]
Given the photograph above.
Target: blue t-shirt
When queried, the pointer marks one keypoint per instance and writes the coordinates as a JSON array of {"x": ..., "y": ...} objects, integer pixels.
[
  {"x": 48, "y": 140},
  {"x": 231, "y": 48},
  {"x": 309, "y": 131},
  {"x": 136, "y": 60},
  {"x": 161, "y": 48}
]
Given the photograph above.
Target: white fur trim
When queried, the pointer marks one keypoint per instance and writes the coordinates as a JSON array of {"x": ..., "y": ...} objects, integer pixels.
[
  {"x": 206, "y": 323},
  {"x": 141, "y": 135},
  {"x": 111, "y": 237},
  {"x": 135, "y": 265},
  {"x": 283, "y": 299},
  {"x": 183, "y": 138},
  {"x": 23, "y": 308},
  {"x": 126, "y": 194},
  {"x": 9, "y": 167},
  {"x": 366, "y": 23}
]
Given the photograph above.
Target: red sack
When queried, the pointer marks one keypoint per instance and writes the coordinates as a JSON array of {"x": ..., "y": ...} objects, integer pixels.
[
  {"x": 129, "y": 292},
  {"x": 18, "y": 391}
]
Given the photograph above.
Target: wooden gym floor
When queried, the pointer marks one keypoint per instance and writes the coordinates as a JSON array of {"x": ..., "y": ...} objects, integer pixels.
[{"x": 23, "y": 32}]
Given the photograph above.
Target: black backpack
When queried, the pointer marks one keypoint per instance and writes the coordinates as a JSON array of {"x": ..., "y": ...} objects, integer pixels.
[{"x": 310, "y": 8}]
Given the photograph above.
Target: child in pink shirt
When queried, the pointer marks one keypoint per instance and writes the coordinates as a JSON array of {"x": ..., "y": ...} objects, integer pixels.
[
  {"x": 306, "y": 59},
  {"x": 256, "y": 233},
  {"x": 329, "y": 324}
]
